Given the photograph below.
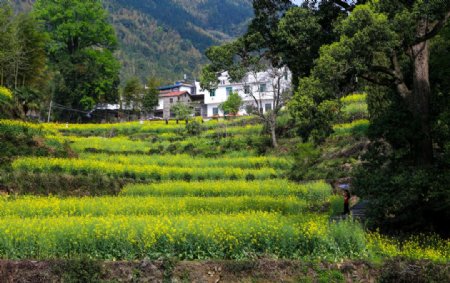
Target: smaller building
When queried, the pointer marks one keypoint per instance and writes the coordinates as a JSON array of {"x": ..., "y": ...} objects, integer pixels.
[
  {"x": 179, "y": 92},
  {"x": 168, "y": 99}
]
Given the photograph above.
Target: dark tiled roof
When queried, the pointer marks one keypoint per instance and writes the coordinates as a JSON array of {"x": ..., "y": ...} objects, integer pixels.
[{"x": 176, "y": 85}]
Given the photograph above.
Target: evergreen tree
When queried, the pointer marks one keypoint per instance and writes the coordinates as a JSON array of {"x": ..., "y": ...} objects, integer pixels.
[{"x": 150, "y": 99}]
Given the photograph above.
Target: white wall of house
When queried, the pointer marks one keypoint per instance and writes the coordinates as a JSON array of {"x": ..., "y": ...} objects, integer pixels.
[
  {"x": 186, "y": 88},
  {"x": 260, "y": 84},
  {"x": 160, "y": 104}
]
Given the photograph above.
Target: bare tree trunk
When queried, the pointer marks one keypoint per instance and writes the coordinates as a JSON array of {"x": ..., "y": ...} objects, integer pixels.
[
  {"x": 274, "y": 137},
  {"x": 272, "y": 123},
  {"x": 420, "y": 102}
]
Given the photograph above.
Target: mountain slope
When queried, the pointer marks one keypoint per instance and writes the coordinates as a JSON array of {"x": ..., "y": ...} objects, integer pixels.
[{"x": 168, "y": 38}]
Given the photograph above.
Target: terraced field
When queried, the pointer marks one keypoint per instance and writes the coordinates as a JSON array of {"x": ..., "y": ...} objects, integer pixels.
[{"x": 213, "y": 195}]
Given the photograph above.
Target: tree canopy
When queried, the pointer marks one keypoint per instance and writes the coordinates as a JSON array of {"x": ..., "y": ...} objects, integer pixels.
[
  {"x": 81, "y": 49},
  {"x": 384, "y": 47},
  {"x": 232, "y": 104},
  {"x": 23, "y": 61}
]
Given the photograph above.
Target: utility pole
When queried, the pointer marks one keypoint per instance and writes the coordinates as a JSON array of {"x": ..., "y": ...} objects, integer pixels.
[{"x": 50, "y": 111}]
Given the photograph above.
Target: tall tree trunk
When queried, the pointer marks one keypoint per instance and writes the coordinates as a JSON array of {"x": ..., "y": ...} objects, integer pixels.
[
  {"x": 272, "y": 123},
  {"x": 420, "y": 103},
  {"x": 274, "y": 137}
]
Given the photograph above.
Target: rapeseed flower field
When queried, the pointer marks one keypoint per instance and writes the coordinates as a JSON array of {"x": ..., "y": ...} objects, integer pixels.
[{"x": 210, "y": 196}]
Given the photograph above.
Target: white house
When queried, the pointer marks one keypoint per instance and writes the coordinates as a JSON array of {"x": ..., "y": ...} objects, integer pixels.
[{"x": 255, "y": 89}]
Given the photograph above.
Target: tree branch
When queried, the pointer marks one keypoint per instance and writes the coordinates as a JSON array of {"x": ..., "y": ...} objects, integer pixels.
[
  {"x": 378, "y": 81},
  {"x": 434, "y": 30},
  {"x": 346, "y": 6},
  {"x": 384, "y": 70}
]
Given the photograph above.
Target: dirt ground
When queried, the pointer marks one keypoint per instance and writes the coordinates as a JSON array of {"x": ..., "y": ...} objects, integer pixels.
[
  {"x": 261, "y": 270},
  {"x": 185, "y": 271}
]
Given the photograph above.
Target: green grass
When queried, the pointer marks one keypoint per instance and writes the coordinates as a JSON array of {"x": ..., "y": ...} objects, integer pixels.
[{"x": 356, "y": 128}]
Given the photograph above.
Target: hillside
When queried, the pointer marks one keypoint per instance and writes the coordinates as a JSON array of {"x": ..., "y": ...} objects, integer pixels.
[{"x": 168, "y": 38}]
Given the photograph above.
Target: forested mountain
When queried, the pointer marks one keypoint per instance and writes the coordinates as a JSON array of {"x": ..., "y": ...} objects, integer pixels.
[{"x": 167, "y": 38}]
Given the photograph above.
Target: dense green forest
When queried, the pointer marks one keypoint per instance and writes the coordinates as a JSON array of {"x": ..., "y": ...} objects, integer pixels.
[{"x": 167, "y": 39}]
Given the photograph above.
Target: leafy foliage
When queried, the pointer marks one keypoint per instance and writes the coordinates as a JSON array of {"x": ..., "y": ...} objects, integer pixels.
[
  {"x": 232, "y": 104},
  {"x": 386, "y": 44},
  {"x": 150, "y": 99},
  {"x": 132, "y": 94},
  {"x": 80, "y": 49},
  {"x": 182, "y": 111}
]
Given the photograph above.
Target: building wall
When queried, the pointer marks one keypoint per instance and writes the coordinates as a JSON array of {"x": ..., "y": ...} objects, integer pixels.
[
  {"x": 252, "y": 83},
  {"x": 242, "y": 111},
  {"x": 160, "y": 104},
  {"x": 169, "y": 101}
]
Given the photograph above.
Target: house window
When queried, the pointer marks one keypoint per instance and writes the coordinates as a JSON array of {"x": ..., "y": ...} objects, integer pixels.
[
  {"x": 262, "y": 88},
  {"x": 212, "y": 92},
  {"x": 215, "y": 111},
  {"x": 247, "y": 89},
  {"x": 268, "y": 106},
  {"x": 178, "y": 98},
  {"x": 285, "y": 75},
  {"x": 171, "y": 100},
  {"x": 229, "y": 90}
]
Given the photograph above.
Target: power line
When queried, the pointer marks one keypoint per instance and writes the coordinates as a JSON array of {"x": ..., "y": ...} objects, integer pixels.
[{"x": 66, "y": 108}]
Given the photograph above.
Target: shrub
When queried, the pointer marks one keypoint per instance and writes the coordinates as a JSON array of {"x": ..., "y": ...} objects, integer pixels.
[
  {"x": 194, "y": 128},
  {"x": 250, "y": 177},
  {"x": 305, "y": 156},
  {"x": 25, "y": 139}
]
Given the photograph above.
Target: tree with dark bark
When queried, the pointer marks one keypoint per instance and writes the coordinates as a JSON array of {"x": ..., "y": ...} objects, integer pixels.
[
  {"x": 387, "y": 43},
  {"x": 385, "y": 46}
]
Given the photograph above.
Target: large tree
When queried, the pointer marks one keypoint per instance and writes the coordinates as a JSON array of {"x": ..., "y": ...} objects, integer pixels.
[
  {"x": 81, "y": 47},
  {"x": 22, "y": 57},
  {"x": 385, "y": 46},
  {"x": 387, "y": 43},
  {"x": 151, "y": 95},
  {"x": 132, "y": 94},
  {"x": 292, "y": 35}
]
